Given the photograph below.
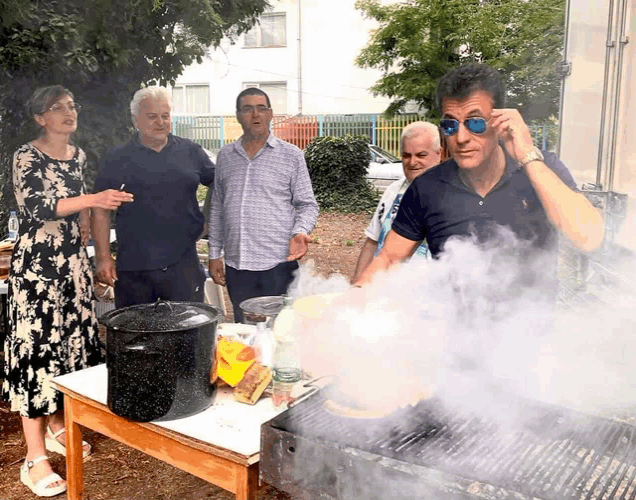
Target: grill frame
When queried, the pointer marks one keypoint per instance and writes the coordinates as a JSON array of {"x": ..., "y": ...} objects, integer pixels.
[{"x": 556, "y": 457}]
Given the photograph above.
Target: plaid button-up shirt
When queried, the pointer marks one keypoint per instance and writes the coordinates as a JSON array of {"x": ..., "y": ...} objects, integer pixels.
[{"x": 259, "y": 204}]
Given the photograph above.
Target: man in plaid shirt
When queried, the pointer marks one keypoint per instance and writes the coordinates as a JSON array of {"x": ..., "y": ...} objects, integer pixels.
[{"x": 263, "y": 208}]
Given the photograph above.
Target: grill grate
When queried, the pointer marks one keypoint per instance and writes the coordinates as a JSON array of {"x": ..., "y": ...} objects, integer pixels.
[{"x": 561, "y": 454}]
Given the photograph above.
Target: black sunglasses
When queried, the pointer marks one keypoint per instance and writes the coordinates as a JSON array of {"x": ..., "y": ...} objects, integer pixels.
[{"x": 475, "y": 125}]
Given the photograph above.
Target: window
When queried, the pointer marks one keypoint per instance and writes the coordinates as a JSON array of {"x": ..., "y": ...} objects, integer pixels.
[
  {"x": 193, "y": 99},
  {"x": 277, "y": 92},
  {"x": 270, "y": 32}
]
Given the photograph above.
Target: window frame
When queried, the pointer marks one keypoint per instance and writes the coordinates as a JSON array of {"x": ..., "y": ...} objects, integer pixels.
[
  {"x": 259, "y": 34},
  {"x": 184, "y": 87},
  {"x": 258, "y": 85}
]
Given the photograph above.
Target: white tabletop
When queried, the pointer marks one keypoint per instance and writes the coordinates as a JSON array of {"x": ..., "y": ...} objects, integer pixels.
[{"x": 227, "y": 423}]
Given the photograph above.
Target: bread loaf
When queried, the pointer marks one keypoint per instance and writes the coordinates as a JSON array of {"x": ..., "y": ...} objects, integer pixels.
[{"x": 253, "y": 384}]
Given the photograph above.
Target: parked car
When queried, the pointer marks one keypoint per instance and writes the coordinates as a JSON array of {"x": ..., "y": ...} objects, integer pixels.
[{"x": 384, "y": 168}]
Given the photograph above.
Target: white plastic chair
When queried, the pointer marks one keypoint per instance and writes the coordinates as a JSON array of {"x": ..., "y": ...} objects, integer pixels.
[{"x": 213, "y": 295}]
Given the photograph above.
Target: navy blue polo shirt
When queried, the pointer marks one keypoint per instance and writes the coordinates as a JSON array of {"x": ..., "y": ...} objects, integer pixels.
[
  {"x": 439, "y": 205},
  {"x": 164, "y": 221}
]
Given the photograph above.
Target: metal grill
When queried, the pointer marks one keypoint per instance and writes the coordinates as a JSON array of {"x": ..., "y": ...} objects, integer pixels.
[{"x": 560, "y": 454}]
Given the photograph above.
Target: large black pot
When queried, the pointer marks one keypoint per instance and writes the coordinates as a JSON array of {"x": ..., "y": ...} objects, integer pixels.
[{"x": 159, "y": 358}]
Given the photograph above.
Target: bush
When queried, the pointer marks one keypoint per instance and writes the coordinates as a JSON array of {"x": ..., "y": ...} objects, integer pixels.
[{"x": 337, "y": 166}]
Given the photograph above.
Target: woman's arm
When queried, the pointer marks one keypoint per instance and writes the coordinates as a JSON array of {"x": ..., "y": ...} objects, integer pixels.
[
  {"x": 108, "y": 200},
  {"x": 31, "y": 192}
]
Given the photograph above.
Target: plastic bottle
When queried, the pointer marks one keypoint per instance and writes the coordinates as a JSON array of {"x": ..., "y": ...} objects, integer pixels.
[
  {"x": 286, "y": 370},
  {"x": 264, "y": 344},
  {"x": 14, "y": 226}
]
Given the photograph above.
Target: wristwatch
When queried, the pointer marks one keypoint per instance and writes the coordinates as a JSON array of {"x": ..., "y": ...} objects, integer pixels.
[{"x": 532, "y": 155}]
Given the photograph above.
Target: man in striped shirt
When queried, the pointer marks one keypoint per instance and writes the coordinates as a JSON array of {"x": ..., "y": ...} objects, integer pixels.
[{"x": 263, "y": 208}]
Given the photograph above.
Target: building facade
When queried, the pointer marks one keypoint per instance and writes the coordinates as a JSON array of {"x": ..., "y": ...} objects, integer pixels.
[{"x": 302, "y": 54}]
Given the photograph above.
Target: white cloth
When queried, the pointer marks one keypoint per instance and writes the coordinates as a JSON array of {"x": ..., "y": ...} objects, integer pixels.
[
  {"x": 374, "y": 229},
  {"x": 385, "y": 212}
]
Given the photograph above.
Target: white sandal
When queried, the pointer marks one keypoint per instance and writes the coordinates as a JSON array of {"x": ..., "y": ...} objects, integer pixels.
[
  {"x": 52, "y": 444},
  {"x": 43, "y": 487}
]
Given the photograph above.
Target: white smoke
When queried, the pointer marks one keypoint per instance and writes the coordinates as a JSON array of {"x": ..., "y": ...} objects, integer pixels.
[{"x": 472, "y": 327}]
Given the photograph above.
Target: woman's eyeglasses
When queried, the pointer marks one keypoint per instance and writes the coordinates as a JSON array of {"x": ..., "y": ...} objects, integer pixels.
[
  {"x": 475, "y": 125},
  {"x": 58, "y": 107}
]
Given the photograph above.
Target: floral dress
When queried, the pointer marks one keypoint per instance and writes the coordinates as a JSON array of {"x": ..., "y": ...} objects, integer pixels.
[{"x": 52, "y": 323}]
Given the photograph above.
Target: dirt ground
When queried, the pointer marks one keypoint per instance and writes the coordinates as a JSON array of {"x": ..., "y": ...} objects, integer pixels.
[{"x": 117, "y": 472}]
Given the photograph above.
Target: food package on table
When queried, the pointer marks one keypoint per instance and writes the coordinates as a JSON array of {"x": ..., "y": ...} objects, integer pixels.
[
  {"x": 232, "y": 360},
  {"x": 237, "y": 331},
  {"x": 235, "y": 364}
]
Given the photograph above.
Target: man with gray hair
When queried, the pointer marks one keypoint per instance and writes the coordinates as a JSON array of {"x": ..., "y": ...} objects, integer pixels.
[
  {"x": 157, "y": 233},
  {"x": 421, "y": 150}
]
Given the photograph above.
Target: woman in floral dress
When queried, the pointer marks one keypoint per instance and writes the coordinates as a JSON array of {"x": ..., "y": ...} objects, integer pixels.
[{"x": 53, "y": 329}]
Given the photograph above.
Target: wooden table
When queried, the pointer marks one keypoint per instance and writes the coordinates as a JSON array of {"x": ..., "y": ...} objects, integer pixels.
[{"x": 220, "y": 444}]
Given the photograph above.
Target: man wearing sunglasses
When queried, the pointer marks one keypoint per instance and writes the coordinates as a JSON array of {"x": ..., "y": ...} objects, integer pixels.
[{"x": 495, "y": 177}]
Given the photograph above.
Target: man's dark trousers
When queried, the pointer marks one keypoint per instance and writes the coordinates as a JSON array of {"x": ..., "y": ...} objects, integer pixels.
[
  {"x": 243, "y": 285},
  {"x": 182, "y": 281}
]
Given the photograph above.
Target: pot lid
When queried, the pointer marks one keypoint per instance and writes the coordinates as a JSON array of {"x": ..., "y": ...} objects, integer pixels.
[
  {"x": 265, "y": 306},
  {"x": 161, "y": 316}
]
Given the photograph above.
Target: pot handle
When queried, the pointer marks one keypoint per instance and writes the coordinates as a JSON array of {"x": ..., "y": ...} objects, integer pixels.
[
  {"x": 141, "y": 349},
  {"x": 141, "y": 346},
  {"x": 165, "y": 303}
]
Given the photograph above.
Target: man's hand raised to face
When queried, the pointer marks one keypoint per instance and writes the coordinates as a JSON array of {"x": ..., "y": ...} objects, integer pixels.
[
  {"x": 513, "y": 132},
  {"x": 298, "y": 246}
]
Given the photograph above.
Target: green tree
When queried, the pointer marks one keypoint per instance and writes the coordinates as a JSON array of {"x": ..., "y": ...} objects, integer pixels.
[
  {"x": 418, "y": 41},
  {"x": 103, "y": 51}
]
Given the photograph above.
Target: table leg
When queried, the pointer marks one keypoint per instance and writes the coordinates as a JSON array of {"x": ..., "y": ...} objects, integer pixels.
[
  {"x": 247, "y": 483},
  {"x": 74, "y": 458}
]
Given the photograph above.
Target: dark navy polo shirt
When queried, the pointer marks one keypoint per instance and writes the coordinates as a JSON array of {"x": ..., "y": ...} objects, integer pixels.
[
  {"x": 439, "y": 205},
  {"x": 164, "y": 221}
]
